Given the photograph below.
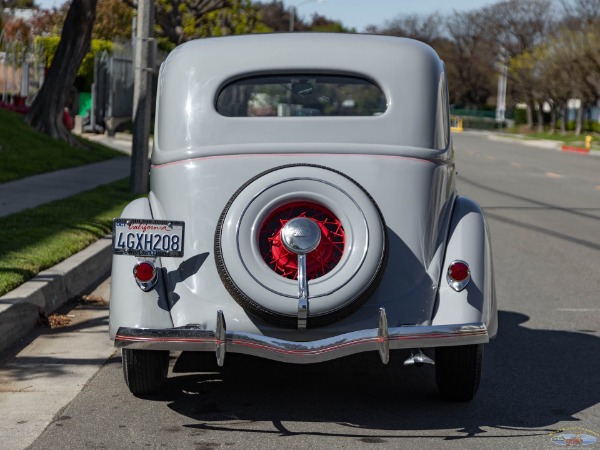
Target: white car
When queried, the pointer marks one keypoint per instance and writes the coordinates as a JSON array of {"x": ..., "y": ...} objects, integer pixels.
[{"x": 302, "y": 208}]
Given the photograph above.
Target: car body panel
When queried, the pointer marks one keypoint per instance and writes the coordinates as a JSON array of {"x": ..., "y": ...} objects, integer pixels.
[
  {"x": 402, "y": 158},
  {"x": 408, "y": 72}
]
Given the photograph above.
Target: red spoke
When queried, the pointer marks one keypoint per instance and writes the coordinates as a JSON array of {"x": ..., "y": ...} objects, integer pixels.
[{"x": 322, "y": 260}]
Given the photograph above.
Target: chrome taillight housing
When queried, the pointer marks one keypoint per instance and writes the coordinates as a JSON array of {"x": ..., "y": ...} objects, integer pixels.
[
  {"x": 145, "y": 274},
  {"x": 458, "y": 275}
]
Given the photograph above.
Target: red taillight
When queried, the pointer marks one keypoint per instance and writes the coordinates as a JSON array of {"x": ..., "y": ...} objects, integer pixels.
[
  {"x": 459, "y": 275},
  {"x": 144, "y": 271},
  {"x": 145, "y": 275}
]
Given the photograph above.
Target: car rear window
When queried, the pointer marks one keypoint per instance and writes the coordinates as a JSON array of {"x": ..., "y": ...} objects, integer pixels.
[{"x": 301, "y": 95}]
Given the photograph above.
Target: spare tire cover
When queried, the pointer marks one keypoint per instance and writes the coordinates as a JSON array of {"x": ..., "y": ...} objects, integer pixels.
[{"x": 272, "y": 297}]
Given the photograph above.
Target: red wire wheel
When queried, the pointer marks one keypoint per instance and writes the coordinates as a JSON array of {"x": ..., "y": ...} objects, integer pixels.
[{"x": 320, "y": 261}]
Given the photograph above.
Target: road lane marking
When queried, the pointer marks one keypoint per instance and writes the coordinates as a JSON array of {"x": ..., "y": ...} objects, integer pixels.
[
  {"x": 553, "y": 175},
  {"x": 578, "y": 309},
  {"x": 516, "y": 164},
  {"x": 597, "y": 188},
  {"x": 490, "y": 158}
]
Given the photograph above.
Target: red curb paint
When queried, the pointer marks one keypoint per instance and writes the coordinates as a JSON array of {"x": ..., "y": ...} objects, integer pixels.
[{"x": 568, "y": 148}]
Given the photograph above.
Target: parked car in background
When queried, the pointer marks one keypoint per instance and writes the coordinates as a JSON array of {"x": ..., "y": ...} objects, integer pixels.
[{"x": 302, "y": 208}]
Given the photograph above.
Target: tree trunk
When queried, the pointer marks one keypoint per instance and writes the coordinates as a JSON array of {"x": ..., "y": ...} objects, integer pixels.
[
  {"x": 540, "y": 118},
  {"x": 530, "y": 115},
  {"x": 565, "y": 118},
  {"x": 579, "y": 120},
  {"x": 46, "y": 112}
]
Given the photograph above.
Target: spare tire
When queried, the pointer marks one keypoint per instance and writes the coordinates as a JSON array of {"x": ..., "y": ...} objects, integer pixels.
[{"x": 261, "y": 274}]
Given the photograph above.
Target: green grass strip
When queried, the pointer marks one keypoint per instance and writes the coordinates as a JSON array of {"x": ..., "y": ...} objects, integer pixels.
[
  {"x": 25, "y": 152},
  {"x": 36, "y": 239}
]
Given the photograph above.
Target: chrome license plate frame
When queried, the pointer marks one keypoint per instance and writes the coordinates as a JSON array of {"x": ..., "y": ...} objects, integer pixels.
[{"x": 148, "y": 237}]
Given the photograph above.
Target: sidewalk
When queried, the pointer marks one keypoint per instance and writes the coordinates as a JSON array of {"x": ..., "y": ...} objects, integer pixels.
[
  {"x": 36, "y": 190},
  {"x": 51, "y": 368},
  {"x": 20, "y": 309}
]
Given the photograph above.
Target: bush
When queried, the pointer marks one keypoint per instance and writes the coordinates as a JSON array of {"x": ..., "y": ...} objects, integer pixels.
[
  {"x": 520, "y": 116},
  {"x": 588, "y": 125},
  {"x": 86, "y": 70},
  {"x": 591, "y": 125}
]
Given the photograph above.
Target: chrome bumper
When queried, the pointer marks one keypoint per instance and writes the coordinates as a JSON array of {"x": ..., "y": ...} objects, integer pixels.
[{"x": 381, "y": 339}]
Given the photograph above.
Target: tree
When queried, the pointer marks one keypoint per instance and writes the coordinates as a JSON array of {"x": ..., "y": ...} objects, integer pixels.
[
  {"x": 277, "y": 17},
  {"x": 581, "y": 13},
  {"x": 114, "y": 19},
  {"x": 173, "y": 17},
  {"x": 49, "y": 22},
  {"x": 519, "y": 27},
  {"x": 18, "y": 4},
  {"x": 46, "y": 112},
  {"x": 241, "y": 17},
  {"x": 582, "y": 17},
  {"x": 470, "y": 59},
  {"x": 525, "y": 70},
  {"x": 427, "y": 29},
  {"x": 322, "y": 24}
]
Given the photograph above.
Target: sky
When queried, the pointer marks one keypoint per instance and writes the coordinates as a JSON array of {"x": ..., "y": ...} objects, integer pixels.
[{"x": 359, "y": 14}]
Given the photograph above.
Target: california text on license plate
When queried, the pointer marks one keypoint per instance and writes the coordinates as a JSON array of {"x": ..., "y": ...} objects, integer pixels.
[{"x": 143, "y": 237}]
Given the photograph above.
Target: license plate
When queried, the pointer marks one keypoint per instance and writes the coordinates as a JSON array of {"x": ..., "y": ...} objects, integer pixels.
[{"x": 141, "y": 237}]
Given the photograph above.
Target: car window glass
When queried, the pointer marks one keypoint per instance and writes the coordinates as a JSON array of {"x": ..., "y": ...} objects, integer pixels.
[{"x": 301, "y": 95}]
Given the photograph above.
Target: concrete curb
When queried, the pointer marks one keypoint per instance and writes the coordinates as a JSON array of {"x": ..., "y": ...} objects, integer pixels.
[
  {"x": 20, "y": 309},
  {"x": 539, "y": 143}
]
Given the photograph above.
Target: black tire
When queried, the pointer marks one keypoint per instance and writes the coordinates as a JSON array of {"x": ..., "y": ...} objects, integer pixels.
[
  {"x": 145, "y": 371},
  {"x": 458, "y": 371}
]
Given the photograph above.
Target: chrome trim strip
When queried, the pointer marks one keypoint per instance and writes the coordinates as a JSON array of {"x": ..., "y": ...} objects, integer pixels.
[
  {"x": 383, "y": 337},
  {"x": 221, "y": 338},
  {"x": 406, "y": 337},
  {"x": 301, "y": 236},
  {"x": 302, "y": 292}
]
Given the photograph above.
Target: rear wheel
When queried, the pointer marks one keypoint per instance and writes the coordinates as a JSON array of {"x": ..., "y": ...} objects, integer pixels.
[
  {"x": 145, "y": 371},
  {"x": 458, "y": 371}
]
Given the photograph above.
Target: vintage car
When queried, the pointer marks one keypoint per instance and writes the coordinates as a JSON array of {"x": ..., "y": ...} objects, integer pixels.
[{"x": 302, "y": 207}]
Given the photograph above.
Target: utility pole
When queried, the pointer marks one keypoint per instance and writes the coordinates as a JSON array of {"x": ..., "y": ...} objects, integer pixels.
[
  {"x": 142, "y": 96},
  {"x": 501, "y": 98}
]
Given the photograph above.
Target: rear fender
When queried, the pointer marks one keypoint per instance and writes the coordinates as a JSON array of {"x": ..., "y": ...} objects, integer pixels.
[
  {"x": 129, "y": 305},
  {"x": 469, "y": 241}
]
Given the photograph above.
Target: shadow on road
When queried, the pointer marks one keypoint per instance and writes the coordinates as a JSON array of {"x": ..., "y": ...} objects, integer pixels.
[
  {"x": 532, "y": 380},
  {"x": 494, "y": 212}
]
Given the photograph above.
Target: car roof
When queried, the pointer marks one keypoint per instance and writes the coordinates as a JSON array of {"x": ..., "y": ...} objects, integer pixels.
[{"x": 409, "y": 72}]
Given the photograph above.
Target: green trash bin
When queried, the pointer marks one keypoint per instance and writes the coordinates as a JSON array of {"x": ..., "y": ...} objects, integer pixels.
[{"x": 85, "y": 103}]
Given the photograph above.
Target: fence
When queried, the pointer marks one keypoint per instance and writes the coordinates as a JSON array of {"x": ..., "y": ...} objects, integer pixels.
[
  {"x": 21, "y": 73},
  {"x": 112, "y": 92},
  {"x": 482, "y": 120}
]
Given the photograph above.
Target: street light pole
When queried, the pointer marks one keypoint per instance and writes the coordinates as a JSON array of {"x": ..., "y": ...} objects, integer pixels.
[
  {"x": 292, "y": 12},
  {"x": 501, "y": 98},
  {"x": 293, "y": 7}
]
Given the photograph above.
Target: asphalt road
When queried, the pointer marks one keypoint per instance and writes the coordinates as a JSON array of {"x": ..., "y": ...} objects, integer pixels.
[{"x": 541, "y": 375}]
